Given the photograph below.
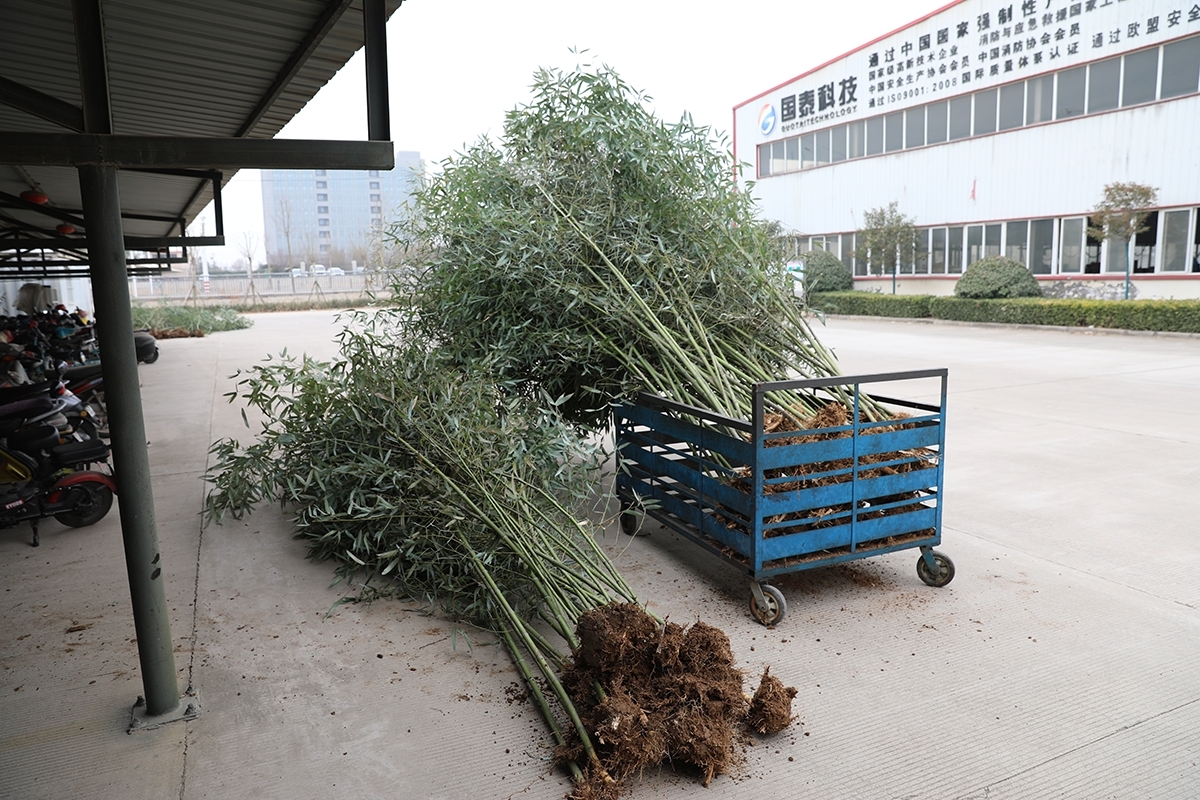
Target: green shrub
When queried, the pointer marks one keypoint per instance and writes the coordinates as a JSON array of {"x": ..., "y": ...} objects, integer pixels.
[
  {"x": 1181, "y": 316},
  {"x": 824, "y": 272},
  {"x": 870, "y": 304},
  {"x": 197, "y": 320},
  {"x": 996, "y": 277}
]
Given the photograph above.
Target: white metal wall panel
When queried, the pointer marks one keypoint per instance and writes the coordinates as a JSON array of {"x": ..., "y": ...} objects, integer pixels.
[{"x": 1050, "y": 170}]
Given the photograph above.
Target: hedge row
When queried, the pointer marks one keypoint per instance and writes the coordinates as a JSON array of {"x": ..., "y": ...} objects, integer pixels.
[
  {"x": 1136, "y": 315},
  {"x": 870, "y": 304}
]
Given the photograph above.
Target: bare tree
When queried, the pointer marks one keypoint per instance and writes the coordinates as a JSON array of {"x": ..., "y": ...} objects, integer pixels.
[
  {"x": 285, "y": 219},
  {"x": 308, "y": 248},
  {"x": 248, "y": 247},
  {"x": 359, "y": 248},
  {"x": 1121, "y": 216}
]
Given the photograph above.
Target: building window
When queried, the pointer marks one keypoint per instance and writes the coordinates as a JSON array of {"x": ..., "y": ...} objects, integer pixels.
[
  {"x": 974, "y": 243},
  {"x": 1181, "y": 67},
  {"x": 985, "y": 112},
  {"x": 991, "y": 241},
  {"x": 1012, "y": 106},
  {"x": 1175, "y": 249},
  {"x": 919, "y": 265},
  {"x": 376, "y": 198},
  {"x": 322, "y": 209},
  {"x": 1041, "y": 246},
  {"x": 322, "y": 197},
  {"x": 1145, "y": 245},
  {"x": 1104, "y": 85},
  {"x": 937, "y": 253},
  {"x": 1039, "y": 100},
  {"x": 1091, "y": 250},
  {"x": 894, "y": 125},
  {"x": 1069, "y": 102},
  {"x": 376, "y": 209},
  {"x": 1016, "y": 242},
  {"x": 837, "y": 150},
  {"x": 1140, "y": 82},
  {"x": 324, "y": 248},
  {"x": 954, "y": 250},
  {"x": 937, "y": 118},
  {"x": 808, "y": 156},
  {"x": 320, "y": 173},
  {"x": 1196, "y": 244},
  {"x": 914, "y": 127},
  {"x": 373, "y": 173},
  {"x": 960, "y": 117},
  {"x": 322, "y": 234},
  {"x": 323, "y": 222},
  {"x": 857, "y": 146},
  {"x": 848, "y": 251},
  {"x": 374, "y": 184},
  {"x": 874, "y": 136},
  {"x": 791, "y": 155},
  {"x": 1070, "y": 246},
  {"x": 322, "y": 185},
  {"x": 822, "y": 147}
]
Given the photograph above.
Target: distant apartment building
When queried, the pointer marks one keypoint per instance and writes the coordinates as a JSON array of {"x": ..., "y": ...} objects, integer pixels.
[{"x": 333, "y": 217}]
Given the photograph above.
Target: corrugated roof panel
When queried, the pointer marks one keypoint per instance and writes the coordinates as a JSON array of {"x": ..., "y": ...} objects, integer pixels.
[{"x": 186, "y": 68}]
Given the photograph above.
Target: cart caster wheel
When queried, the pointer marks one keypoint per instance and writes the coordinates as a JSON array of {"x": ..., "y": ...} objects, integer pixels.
[
  {"x": 774, "y": 609},
  {"x": 632, "y": 521},
  {"x": 945, "y": 570}
]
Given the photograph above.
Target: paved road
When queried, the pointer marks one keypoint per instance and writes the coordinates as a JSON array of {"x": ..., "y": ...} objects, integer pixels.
[{"x": 1061, "y": 662}]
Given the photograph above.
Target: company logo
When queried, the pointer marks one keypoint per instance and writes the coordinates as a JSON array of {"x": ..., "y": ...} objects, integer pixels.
[{"x": 766, "y": 119}]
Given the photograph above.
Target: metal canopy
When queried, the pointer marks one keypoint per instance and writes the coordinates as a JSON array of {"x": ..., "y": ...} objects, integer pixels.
[
  {"x": 119, "y": 121},
  {"x": 200, "y": 84}
]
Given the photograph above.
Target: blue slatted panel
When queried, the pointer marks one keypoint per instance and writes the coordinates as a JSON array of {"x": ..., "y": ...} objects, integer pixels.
[
  {"x": 815, "y": 541},
  {"x": 737, "y": 450},
  {"x": 678, "y": 470}
]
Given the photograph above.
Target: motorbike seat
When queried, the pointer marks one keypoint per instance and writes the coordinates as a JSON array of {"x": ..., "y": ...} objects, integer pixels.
[
  {"x": 34, "y": 439},
  {"x": 72, "y": 453},
  {"x": 13, "y": 415}
]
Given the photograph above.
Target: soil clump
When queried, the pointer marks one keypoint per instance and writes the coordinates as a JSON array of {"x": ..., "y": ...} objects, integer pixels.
[{"x": 652, "y": 694}]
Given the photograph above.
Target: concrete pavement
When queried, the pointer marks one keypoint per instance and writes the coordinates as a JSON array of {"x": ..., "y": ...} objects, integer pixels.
[{"x": 1061, "y": 662}]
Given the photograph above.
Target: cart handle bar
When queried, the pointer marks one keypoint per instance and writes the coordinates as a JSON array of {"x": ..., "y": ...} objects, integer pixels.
[{"x": 846, "y": 380}]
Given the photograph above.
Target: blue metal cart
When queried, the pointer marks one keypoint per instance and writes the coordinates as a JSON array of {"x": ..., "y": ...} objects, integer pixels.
[{"x": 774, "y": 502}]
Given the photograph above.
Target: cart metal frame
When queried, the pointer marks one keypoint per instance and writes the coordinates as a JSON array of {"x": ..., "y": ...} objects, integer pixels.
[{"x": 710, "y": 478}]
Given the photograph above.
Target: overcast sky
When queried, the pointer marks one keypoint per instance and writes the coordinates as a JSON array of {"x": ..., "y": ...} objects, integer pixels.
[{"x": 456, "y": 66}]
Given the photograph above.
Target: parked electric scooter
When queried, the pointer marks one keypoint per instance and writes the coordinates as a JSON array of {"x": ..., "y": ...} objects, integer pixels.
[
  {"x": 39, "y": 477},
  {"x": 86, "y": 382}
]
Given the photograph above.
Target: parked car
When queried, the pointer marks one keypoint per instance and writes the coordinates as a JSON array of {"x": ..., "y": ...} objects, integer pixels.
[
  {"x": 336, "y": 271},
  {"x": 297, "y": 272},
  {"x": 318, "y": 269}
]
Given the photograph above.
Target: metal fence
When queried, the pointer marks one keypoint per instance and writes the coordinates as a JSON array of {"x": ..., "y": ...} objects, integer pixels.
[{"x": 229, "y": 288}]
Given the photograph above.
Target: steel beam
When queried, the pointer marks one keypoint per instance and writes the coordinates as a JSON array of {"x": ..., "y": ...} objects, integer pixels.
[
  {"x": 40, "y": 104},
  {"x": 131, "y": 242},
  {"x": 13, "y": 201},
  {"x": 77, "y": 149},
  {"x": 379, "y": 115},
  {"x": 92, "y": 55},
  {"x": 131, "y": 462}
]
